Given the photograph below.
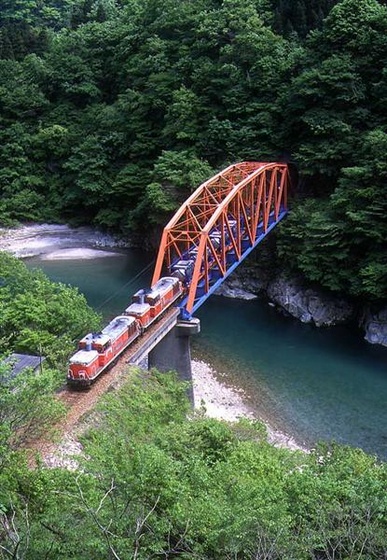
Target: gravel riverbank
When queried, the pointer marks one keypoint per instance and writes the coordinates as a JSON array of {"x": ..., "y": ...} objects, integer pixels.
[
  {"x": 229, "y": 402},
  {"x": 57, "y": 241}
]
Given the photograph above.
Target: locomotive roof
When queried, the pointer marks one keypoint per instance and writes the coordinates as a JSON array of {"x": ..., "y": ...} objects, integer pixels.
[
  {"x": 138, "y": 308},
  {"x": 84, "y": 357},
  {"x": 166, "y": 281},
  {"x": 162, "y": 285},
  {"x": 117, "y": 326},
  {"x": 100, "y": 338}
]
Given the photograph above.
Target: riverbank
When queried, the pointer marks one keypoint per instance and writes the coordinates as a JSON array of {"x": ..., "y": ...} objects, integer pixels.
[
  {"x": 220, "y": 399},
  {"x": 57, "y": 241},
  {"x": 213, "y": 396}
]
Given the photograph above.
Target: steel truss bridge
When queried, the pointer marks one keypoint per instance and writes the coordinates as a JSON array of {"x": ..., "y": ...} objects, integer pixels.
[{"x": 219, "y": 225}]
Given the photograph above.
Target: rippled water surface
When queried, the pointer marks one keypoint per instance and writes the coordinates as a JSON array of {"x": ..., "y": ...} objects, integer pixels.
[{"x": 316, "y": 384}]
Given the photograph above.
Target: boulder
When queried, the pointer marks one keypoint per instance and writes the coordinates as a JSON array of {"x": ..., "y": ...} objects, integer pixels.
[
  {"x": 234, "y": 289},
  {"x": 309, "y": 305},
  {"x": 374, "y": 323}
]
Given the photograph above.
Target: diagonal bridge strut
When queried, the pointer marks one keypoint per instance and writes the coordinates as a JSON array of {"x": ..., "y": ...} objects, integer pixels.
[{"x": 219, "y": 225}]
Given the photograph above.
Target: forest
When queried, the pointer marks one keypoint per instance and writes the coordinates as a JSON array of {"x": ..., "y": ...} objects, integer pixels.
[
  {"x": 156, "y": 481},
  {"x": 111, "y": 113}
]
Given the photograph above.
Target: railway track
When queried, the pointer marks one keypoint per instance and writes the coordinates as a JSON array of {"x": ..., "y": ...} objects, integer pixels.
[{"x": 81, "y": 402}]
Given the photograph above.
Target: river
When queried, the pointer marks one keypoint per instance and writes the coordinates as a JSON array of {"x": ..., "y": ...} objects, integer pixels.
[{"x": 314, "y": 384}]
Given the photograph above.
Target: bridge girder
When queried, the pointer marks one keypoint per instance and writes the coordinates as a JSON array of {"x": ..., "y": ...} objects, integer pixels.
[{"x": 221, "y": 222}]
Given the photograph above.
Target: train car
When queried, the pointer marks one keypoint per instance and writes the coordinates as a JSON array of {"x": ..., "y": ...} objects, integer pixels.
[
  {"x": 148, "y": 305},
  {"x": 118, "y": 334},
  {"x": 141, "y": 312},
  {"x": 83, "y": 368},
  {"x": 162, "y": 294},
  {"x": 99, "y": 350}
]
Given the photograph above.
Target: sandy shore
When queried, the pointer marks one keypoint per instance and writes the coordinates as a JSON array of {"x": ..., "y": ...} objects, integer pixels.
[
  {"x": 56, "y": 241},
  {"x": 77, "y": 254},
  {"x": 218, "y": 399},
  {"x": 226, "y": 402}
]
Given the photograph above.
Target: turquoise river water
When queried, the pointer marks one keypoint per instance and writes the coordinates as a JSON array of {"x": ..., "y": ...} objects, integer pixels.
[{"x": 314, "y": 384}]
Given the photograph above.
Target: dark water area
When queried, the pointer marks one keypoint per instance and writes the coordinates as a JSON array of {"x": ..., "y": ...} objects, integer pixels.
[{"x": 314, "y": 384}]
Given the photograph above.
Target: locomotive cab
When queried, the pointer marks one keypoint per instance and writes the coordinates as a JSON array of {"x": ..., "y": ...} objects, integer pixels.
[
  {"x": 102, "y": 344},
  {"x": 141, "y": 312},
  {"x": 83, "y": 368},
  {"x": 155, "y": 302},
  {"x": 164, "y": 292},
  {"x": 86, "y": 342}
]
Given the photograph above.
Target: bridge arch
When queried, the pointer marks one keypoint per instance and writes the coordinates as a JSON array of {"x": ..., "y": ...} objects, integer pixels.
[{"x": 220, "y": 224}]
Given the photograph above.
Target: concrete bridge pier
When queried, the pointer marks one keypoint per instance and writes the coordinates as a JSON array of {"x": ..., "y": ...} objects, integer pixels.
[{"x": 173, "y": 352}]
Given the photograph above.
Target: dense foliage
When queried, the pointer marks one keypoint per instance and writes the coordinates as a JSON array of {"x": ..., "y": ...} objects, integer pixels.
[
  {"x": 28, "y": 408},
  {"x": 157, "y": 484},
  {"x": 112, "y": 111},
  {"x": 38, "y": 316},
  {"x": 41, "y": 318}
]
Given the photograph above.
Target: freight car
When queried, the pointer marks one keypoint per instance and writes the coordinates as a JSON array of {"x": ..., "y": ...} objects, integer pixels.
[{"x": 98, "y": 351}]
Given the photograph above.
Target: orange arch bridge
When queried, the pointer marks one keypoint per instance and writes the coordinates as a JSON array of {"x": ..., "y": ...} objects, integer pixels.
[{"x": 219, "y": 225}]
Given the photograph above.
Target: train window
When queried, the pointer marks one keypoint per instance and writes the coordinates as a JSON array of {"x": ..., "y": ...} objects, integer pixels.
[
  {"x": 102, "y": 347},
  {"x": 152, "y": 300}
]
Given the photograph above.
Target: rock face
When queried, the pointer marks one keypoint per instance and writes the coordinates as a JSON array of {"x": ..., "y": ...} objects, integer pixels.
[
  {"x": 244, "y": 285},
  {"x": 374, "y": 324},
  {"x": 234, "y": 289},
  {"x": 308, "y": 305}
]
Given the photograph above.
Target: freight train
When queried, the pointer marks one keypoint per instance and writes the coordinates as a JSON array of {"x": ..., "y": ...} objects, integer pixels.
[{"x": 98, "y": 351}]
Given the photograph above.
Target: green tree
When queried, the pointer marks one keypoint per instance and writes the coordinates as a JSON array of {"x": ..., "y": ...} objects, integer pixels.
[
  {"x": 39, "y": 316},
  {"x": 302, "y": 18},
  {"x": 338, "y": 504},
  {"x": 158, "y": 483},
  {"x": 176, "y": 175},
  {"x": 27, "y": 406},
  {"x": 333, "y": 124}
]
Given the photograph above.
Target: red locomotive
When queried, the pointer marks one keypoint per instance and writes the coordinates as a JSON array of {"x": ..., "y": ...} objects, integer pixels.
[{"x": 97, "y": 351}]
